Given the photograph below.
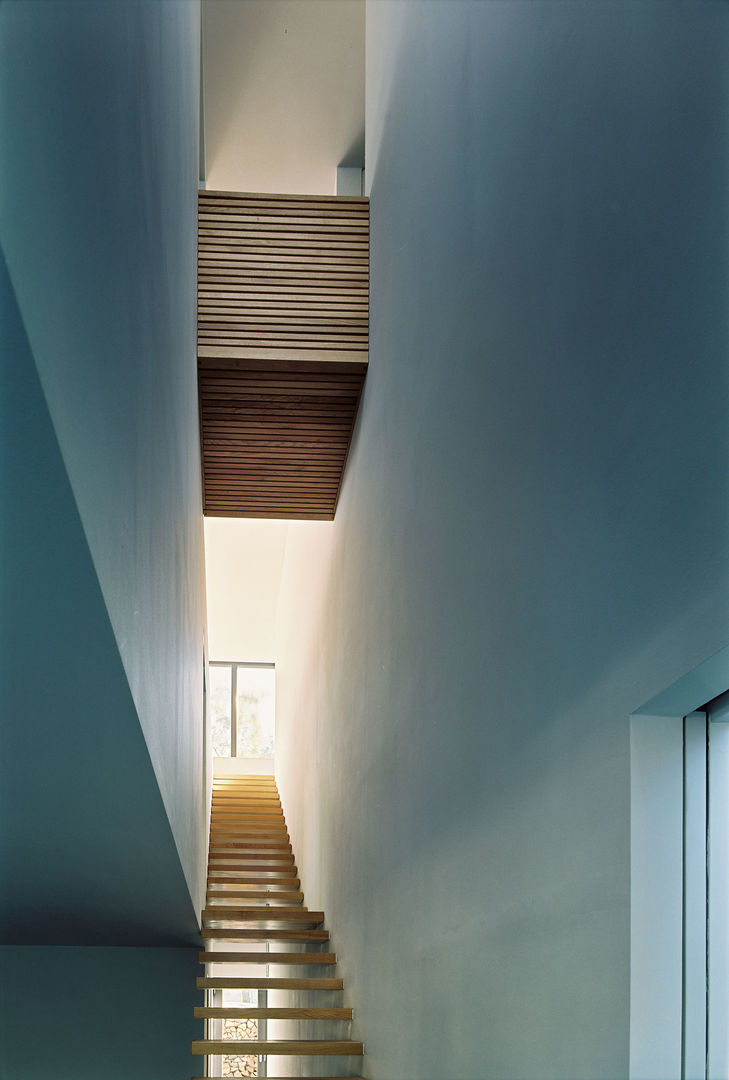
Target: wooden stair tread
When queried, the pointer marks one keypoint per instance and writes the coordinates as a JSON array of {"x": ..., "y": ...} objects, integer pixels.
[
  {"x": 254, "y": 894},
  {"x": 267, "y": 914},
  {"x": 270, "y": 848},
  {"x": 267, "y": 958},
  {"x": 254, "y": 1013},
  {"x": 253, "y": 879},
  {"x": 285, "y": 874},
  {"x": 244, "y": 854},
  {"x": 264, "y": 802},
  {"x": 286, "y": 870},
  {"x": 257, "y": 831},
  {"x": 244, "y": 879},
  {"x": 221, "y": 798},
  {"x": 231, "y": 833},
  {"x": 263, "y": 935},
  {"x": 221, "y": 982},
  {"x": 277, "y": 1046},
  {"x": 277, "y": 858}
]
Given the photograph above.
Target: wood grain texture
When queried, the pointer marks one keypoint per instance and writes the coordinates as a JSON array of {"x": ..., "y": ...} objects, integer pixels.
[
  {"x": 279, "y": 1046},
  {"x": 283, "y": 337},
  {"x": 224, "y": 893},
  {"x": 264, "y": 935},
  {"x": 255, "y": 904},
  {"x": 236, "y": 878},
  {"x": 250, "y": 1012},
  {"x": 214, "y": 916},
  {"x": 245, "y": 983},
  {"x": 267, "y": 958}
]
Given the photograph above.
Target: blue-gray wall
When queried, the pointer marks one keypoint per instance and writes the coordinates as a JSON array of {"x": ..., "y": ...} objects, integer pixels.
[
  {"x": 102, "y": 785},
  {"x": 97, "y": 1012},
  {"x": 532, "y": 538}
]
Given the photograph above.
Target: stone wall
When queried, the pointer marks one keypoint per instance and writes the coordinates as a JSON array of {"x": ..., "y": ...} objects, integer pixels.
[{"x": 240, "y": 1029}]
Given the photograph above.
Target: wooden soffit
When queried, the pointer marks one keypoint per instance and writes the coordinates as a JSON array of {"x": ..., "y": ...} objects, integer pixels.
[{"x": 283, "y": 285}]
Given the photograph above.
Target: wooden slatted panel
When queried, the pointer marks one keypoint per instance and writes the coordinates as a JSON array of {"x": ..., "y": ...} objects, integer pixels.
[{"x": 283, "y": 319}]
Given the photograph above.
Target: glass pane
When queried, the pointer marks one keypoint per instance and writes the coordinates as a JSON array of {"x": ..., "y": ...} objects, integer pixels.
[
  {"x": 219, "y": 710},
  {"x": 255, "y": 712}
]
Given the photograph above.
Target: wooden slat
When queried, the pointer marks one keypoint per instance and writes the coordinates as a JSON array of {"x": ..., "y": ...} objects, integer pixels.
[
  {"x": 279, "y": 1046},
  {"x": 282, "y": 293},
  {"x": 217, "y": 352}
]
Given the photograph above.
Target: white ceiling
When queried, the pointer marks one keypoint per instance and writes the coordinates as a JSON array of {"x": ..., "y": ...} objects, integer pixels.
[{"x": 283, "y": 93}]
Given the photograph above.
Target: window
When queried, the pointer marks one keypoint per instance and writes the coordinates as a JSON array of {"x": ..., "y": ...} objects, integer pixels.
[
  {"x": 242, "y": 709},
  {"x": 679, "y": 1008}
]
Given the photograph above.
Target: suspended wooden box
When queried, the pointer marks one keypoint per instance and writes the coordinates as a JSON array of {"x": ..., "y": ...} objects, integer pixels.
[{"x": 283, "y": 284}]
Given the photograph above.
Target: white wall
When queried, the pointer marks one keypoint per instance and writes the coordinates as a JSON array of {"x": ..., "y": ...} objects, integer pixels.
[
  {"x": 532, "y": 536},
  {"x": 99, "y": 121},
  {"x": 284, "y": 93},
  {"x": 243, "y": 563}
]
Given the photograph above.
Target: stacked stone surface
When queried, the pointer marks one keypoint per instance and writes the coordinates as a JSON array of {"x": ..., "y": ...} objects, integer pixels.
[{"x": 240, "y": 1029}]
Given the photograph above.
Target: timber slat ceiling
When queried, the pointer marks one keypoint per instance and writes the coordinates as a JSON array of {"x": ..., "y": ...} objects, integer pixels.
[{"x": 283, "y": 318}]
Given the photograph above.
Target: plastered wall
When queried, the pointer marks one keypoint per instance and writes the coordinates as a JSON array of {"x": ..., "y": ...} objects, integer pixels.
[
  {"x": 91, "y": 1012},
  {"x": 99, "y": 128},
  {"x": 532, "y": 536}
]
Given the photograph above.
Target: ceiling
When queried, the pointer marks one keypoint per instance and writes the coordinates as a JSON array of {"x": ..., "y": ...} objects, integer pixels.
[{"x": 283, "y": 93}]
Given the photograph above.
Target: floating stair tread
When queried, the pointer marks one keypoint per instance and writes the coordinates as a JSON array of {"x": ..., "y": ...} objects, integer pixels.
[
  {"x": 262, "y": 934},
  {"x": 255, "y": 817},
  {"x": 250, "y": 846},
  {"x": 254, "y": 894},
  {"x": 245, "y": 832},
  {"x": 247, "y": 914},
  {"x": 267, "y": 958},
  {"x": 277, "y": 1046},
  {"x": 245, "y": 799},
  {"x": 262, "y": 859},
  {"x": 254, "y": 831},
  {"x": 279, "y": 858},
  {"x": 283, "y": 869},
  {"x": 238, "y": 879},
  {"x": 253, "y": 1013},
  {"x": 219, "y": 982}
]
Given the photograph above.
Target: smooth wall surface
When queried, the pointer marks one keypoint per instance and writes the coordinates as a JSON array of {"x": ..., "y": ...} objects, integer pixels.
[
  {"x": 532, "y": 536},
  {"x": 87, "y": 854},
  {"x": 88, "y": 1013},
  {"x": 243, "y": 564},
  {"x": 99, "y": 132}
]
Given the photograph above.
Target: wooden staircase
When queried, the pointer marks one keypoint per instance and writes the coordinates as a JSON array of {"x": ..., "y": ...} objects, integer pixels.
[{"x": 254, "y": 899}]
